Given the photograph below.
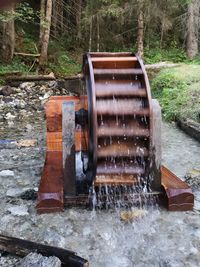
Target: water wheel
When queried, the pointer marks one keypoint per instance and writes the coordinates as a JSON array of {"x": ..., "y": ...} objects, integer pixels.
[
  {"x": 120, "y": 120},
  {"x": 120, "y": 142}
]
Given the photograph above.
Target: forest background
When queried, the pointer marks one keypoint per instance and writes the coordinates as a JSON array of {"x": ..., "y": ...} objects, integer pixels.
[{"x": 43, "y": 36}]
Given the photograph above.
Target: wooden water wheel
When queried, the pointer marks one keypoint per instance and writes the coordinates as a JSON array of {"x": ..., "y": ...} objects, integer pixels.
[{"x": 120, "y": 119}]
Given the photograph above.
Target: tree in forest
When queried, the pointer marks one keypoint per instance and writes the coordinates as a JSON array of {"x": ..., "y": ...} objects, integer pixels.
[
  {"x": 193, "y": 25},
  {"x": 140, "y": 34},
  {"x": 45, "y": 26},
  {"x": 8, "y": 34}
]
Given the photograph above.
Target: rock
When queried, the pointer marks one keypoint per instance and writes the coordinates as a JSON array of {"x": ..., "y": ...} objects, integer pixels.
[
  {"x": 52, "y": 84},
  {"x": 27, "y": 143},
  {"x": 29, "y": 127},
  {"x": 46, "y": 96},
  {"x": 37, "y": 260},
  {"x": 193, "y": 178},
  {"x": 9, "y": 116},
  {"x": 17, "y": 90},
  {"x": 18, "y": 210},
  {"x": 6, "y": 173},
  {"x": 8, "y": 99},
  {"x": 29, "y": 194},
  {"x": 7, "y": 90},
  {"x": 133, "y": 215},
  {"x": 14, "y": 192},
  {"x": 27, "y": 85}
]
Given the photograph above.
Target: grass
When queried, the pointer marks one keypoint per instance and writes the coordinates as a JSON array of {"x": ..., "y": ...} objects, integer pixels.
[
  {"x": 173, "y": 54},
  {"x": 16, "y": 65},
  {"x": 64, "y": 65},
  {"x": 178, "y": 90}
]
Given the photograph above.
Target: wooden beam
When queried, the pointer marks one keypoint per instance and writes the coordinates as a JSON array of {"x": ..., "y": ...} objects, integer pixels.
[
  {"x": 179, "y": 194},
  {"x": 22, "y": 248},
  {"x": 68, "y": 144},
  {"x": 26, "y": 54}
]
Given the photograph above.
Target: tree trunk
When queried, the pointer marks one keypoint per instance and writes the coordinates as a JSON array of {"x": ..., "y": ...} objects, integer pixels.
[
  {"x": 8, "y": 39},
  {"x": 78, "y": 20},
  {"x": 98, "y": 34},
  {"x": 55, "y": 18},
  {"x": 90, "y": 39},
  {"x": 45, "y": 34},
  {"x": 140, "y": 35},
  {"x": 193, "y": 28},
  {"x": 61, "y": 16},
  {"x": 42, "y": 19}
]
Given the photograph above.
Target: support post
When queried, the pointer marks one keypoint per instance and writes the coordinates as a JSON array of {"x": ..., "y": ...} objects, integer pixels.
[
  {"x": 68, "y": 142},
  {"x": 155, "y": 164}
]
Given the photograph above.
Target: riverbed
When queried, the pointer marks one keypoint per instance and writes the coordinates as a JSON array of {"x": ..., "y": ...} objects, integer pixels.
[{"x": 160, "y": 238}]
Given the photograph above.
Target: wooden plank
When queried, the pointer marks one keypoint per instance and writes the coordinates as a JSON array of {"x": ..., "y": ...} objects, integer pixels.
[
  {"x": 68, "y": 141},
  {"x": 23, "y": 247},
  {"x": 115, "y": 59},
  {"x": 114, "y": 179},
  {"x": 127, "y": 71},
  {"x": 54, "y": 141},
  {"x": 50, "y": 192},
  {"x": 121, "y": 107},
  {"x": 124, "y": 149},
  {"x": 179, "y": 194},
  {"x": 54, "y": 105},
  {"x": 114, "y": 62}
]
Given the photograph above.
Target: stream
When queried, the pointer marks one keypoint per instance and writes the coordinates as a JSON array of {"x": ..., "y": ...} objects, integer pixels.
[{"x": 160, "y": 238}]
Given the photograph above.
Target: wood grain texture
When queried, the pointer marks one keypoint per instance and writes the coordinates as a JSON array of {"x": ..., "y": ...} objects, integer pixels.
[
  {"x": 179, "y": 195},
  {"x": 23, "y": 247}
]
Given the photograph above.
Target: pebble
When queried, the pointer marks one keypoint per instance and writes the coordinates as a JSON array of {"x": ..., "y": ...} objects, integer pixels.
[
  {"x": 9, "y": 116},
  {"x": 6, "y": 173},
  {"x": 27, "y": 85},
  {"x": 14, "y": 192},
  {"x": 37, "y": 260},
  {"x": 18, "y": 210},
  {"x": 6, "y": 90},
  {"x": 193, "y": 178}
]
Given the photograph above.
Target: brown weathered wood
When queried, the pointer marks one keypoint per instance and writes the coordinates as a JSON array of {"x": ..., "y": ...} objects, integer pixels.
[
  {"x": 50, "y": 193},
  {"x": 22, "y": 248},
  {"x": 26, "y": 54},
  {"x": 51, "y": 189},
  {"x": 68, "y": 140},
  {"x": 179, "y": 194},
  {"x": 30, "y": 78},
  {"x": 114, "y": 179}
]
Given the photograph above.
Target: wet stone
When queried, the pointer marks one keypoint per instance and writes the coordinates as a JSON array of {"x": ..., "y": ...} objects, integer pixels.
[
  {"x": 14, "y": 192},
  {"x": 37, "y": 260},
  {"x": 30, "y": 194},
  {"x": 20, "y": 210},
  {"x": 6, "y": 173},
  {"x": 193, "y": 178}
]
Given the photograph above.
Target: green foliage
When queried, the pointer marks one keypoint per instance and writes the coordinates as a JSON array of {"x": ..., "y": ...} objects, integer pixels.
[
  {"x": 29, "y": 45},
  {"x": 178, "y": 91},
  {"x": 16, "y": 65},
  {"x": 64, "y": 65},
  {"x": 23, "y": 13},
  {"x": 171, "y": 54}
]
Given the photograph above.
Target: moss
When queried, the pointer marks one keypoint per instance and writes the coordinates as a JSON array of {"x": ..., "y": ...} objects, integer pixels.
[{"x": 178, "y": 90}]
